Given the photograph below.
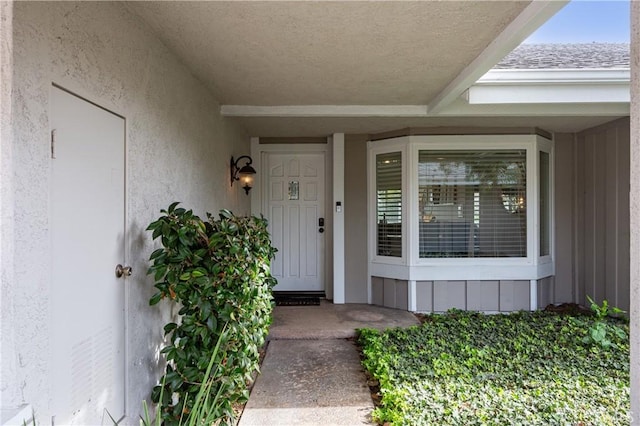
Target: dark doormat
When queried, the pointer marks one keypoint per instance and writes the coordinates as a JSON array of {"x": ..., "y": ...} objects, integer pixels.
[{"x": 297, "y": 300}]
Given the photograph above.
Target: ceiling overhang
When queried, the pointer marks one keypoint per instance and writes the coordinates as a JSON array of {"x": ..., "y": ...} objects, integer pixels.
[
  {"x": 282, "y": 67},
  {"x": 515, "y": 32}
]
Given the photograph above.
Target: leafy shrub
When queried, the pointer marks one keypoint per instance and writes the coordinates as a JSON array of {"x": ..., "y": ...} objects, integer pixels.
[
  {"x": 218, "y": 272},
  {"x": 601, "y": 330},
  {"x": 465, "y": 368},
  {"x": 204, "y": 410}
]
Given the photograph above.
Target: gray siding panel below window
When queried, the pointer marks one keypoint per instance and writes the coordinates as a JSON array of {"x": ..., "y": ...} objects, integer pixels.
[
  {"x": 389, "y": 295},
  {"x": 377, "y": 291},
  {"x": 402, "y": 295},
  {"x": 514, "y": 296},
  {"x": 424, "y": 296},
  {"x": 545, "y": 292},
  {"x": 449, "y": 295},
  {"x": 440, "y": 296},
  {"x": 483, "y": 295}
]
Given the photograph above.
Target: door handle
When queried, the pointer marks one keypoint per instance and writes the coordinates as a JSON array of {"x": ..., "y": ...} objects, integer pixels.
[{"x": 123, "y": 271}]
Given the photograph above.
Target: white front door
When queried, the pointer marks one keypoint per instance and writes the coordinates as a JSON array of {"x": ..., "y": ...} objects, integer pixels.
[
  {"x": 87, "y": 239},
  {"x": 294, "y": 206}
]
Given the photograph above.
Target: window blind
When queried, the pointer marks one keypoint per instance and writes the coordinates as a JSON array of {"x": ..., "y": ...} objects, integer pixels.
[
  {"x": 472, "y": 203},
  {"x": 389, "y": 204}
]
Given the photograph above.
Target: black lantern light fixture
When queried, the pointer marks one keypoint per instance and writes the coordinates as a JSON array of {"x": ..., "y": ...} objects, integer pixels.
[{"x": 244, "y": 173}]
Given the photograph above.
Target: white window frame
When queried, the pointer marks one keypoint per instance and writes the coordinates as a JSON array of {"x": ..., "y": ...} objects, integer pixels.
[
  {"x": 397, "y": 145},
  {"x": 410, "y": 266},
  {"x": 545, "y": 145}
]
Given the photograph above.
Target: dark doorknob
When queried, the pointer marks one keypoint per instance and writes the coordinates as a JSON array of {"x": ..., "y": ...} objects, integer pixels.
[{"x": 321, "y": 230}]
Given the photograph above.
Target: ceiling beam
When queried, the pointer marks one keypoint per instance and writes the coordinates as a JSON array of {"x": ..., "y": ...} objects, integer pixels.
[
  {"x": 324, "y": 111},
  {"x": 458, "y": 108},
  {"x": 531, "y": 18}
]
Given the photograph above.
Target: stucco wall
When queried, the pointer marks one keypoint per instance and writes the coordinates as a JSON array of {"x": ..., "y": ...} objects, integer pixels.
[
  {"x": 178, "y": 148},
  {"x": 8, "y": 362},
  {"x": 355, "y": 208},
  {"x": 634, "y": 179}
]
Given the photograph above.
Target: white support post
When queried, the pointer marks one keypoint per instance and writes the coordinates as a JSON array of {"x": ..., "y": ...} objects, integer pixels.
[
  {"x": 412, "y": 293},
  {"x": 338, "y": 219},
  {"x": 533, "y": 295}
]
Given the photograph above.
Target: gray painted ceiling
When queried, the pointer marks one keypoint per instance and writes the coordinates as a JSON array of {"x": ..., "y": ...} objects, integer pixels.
[{"x": 330, "y": 53}]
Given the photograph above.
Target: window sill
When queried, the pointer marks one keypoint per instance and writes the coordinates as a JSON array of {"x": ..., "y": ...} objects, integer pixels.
[{"x": 463, "y": 270}]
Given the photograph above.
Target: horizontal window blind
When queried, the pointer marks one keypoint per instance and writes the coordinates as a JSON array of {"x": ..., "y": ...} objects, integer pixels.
[
  {"x": 472, "y": 203},
  {"x": 389, "y": 204}
]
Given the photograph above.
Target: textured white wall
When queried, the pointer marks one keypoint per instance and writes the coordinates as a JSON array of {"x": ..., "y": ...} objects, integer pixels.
[
  {"x": 634, "y": 311},
  {"x": 178, "y": 148},
  {"x": 8, "y": 362}
]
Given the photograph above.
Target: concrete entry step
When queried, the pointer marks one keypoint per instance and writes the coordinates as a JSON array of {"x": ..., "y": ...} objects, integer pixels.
[
  {"x": 309, "y": 382},
  {"x": 329, "y": 321}
]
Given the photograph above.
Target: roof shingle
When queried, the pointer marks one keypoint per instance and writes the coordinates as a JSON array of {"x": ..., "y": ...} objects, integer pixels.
[{"x": 567, "y": 56}]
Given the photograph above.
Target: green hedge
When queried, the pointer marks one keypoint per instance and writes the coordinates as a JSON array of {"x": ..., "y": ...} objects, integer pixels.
[
  {"x": 218, "y": 272},
  {"x": 465, "y": 368}
]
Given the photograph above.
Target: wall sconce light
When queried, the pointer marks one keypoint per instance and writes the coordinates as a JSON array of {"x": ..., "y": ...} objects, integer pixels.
[{"x": 244, "y": 174}]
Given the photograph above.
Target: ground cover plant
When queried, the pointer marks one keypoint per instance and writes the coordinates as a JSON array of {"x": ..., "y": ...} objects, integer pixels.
[{"x": 533, "y": 368}]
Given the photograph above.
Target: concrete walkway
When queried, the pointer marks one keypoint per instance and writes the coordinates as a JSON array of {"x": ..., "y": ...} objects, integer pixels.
[{"x": 311, "y": 374}]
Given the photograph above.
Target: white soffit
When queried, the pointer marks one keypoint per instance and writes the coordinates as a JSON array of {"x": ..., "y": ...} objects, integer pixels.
[
  {"x": 530, "y": 18},
  {"x": 555, "y": 86},
  {"x": 273, "y": 53},
  {"x": 316, "y": 68}
]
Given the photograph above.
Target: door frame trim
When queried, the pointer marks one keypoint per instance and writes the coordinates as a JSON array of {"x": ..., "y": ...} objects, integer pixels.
[{"x": 257, "y": 150}]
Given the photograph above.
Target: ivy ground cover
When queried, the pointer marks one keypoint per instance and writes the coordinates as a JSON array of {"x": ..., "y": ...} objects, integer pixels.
[{"x": 464, "y": 368}]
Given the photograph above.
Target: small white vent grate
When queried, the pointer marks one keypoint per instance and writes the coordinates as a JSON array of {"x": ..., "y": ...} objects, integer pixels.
[{"x": 92, "y": 375}]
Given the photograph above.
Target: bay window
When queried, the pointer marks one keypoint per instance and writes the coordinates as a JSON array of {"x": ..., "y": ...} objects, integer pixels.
[{"x": 465, "y": 207}]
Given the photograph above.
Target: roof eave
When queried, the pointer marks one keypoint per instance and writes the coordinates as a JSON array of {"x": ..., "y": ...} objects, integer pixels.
[
  {"x": 536, "y": 14},
  {"x": 557, "y": 86}
]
